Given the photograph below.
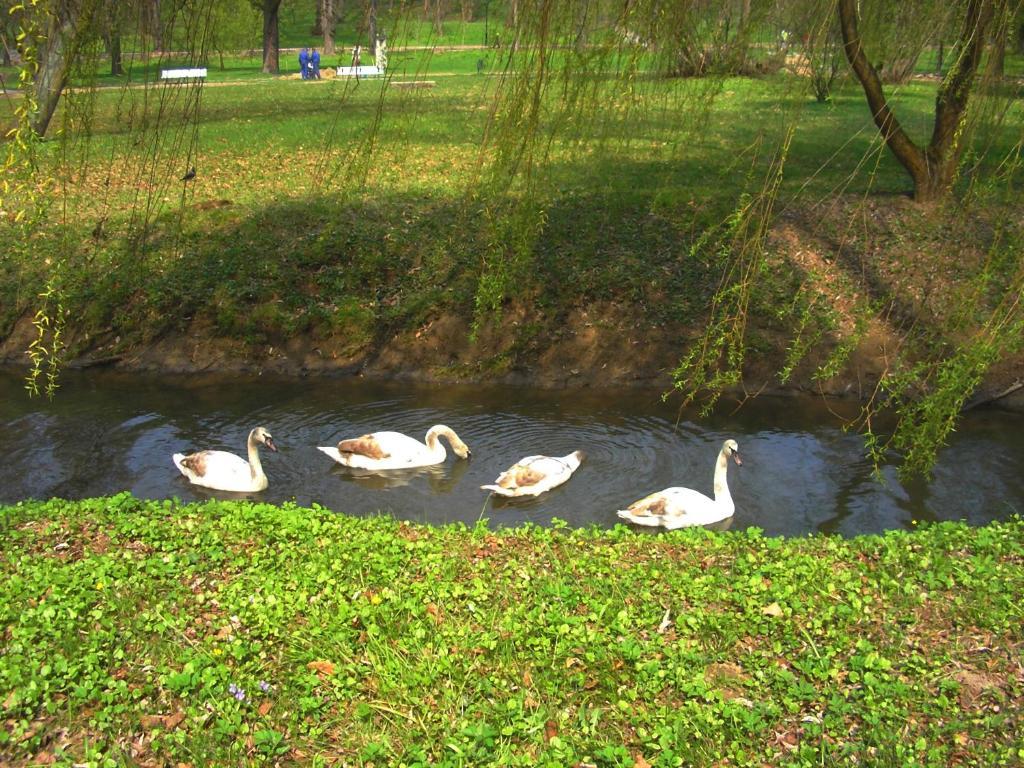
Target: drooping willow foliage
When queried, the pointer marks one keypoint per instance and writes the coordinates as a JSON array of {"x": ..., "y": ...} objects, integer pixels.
[
  {"x": 630, "y": 81},
  {"x": 49, "y": 180},
  {"x": 584, "y": 71}
]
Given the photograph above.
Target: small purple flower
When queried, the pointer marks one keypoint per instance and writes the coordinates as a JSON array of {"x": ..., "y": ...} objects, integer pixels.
[
  {"x": 238, "y": 693},
  {"x": 232, "y": 689},
  {"x": 264, "y": 685}
]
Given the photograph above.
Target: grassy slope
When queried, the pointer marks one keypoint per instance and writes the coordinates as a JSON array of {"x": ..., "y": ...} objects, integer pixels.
[
  {"x": 366, "y": 261},
  {"x": 128, "y": 627}
]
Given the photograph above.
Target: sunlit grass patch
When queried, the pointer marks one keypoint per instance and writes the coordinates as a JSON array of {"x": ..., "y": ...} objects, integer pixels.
[{"x": 231, "y": 632}]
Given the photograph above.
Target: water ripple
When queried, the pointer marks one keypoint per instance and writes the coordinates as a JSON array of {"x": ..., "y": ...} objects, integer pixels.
[{"x": 108, "y": 432}]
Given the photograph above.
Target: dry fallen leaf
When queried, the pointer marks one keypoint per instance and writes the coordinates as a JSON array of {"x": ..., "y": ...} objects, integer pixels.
[
  {"x": 640, "y": 762},
  {"x": 264, "y": 707},
  {"x": 162, "y": 721},
  {"x": 772, "y": 610},
  {"x": 323, "y": 668},
  {"x": 550, "y": 730}
]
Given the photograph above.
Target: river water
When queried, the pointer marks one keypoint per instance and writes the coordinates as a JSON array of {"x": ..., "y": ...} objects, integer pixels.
[{"x": 107, "y": 432}]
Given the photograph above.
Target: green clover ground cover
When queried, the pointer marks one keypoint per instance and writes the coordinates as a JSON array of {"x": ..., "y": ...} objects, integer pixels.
[{"x": 230, "y": 633}]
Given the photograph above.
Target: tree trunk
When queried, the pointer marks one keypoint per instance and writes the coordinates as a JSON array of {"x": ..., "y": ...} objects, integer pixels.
[
  {"x": 373, "y": 25},
  {"x": 53, "y": 63},
  {"x": 933, "y": 169},
  {"x": 116, "y": 62},
  {"x": 997, "y": 57},
  {"x": 327, "y": 23},
  {"x": 5, "y": 55},
  {"x": 271, "y": 47},
  {"x": 947, "y": 143},
  {"x": 438, "y": 17},
  {"x": 152, "y": 23}
]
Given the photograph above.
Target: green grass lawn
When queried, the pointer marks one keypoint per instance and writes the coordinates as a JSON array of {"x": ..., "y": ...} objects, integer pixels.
[
  {"x": 355, "y": 195},
  {"x": 154, "y": 633}
]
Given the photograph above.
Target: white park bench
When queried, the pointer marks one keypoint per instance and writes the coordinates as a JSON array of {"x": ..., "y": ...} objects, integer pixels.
[
  {"x": 195, "y": 73},
  {"x": 363, "y": 71}
]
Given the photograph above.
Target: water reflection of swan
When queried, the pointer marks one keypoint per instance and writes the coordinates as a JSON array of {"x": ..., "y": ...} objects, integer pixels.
[
  {"x": 440, "y": 479},
  {"x": 393, "y": 450},
  {"x": 534, "y": 475},
  {"x": 225, "y": 471},
  {"x": 684, "y": 507}
]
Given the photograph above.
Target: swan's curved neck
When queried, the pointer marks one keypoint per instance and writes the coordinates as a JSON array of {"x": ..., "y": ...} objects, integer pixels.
[
  {"x": 722, "y": 495},
  {"x": 434, "y": 444},
  {"x": 255, "y": 467}
]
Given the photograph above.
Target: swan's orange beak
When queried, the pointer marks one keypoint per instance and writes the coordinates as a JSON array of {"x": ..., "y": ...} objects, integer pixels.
[
  {"x": 736, "y": 458},
  {"x": 269, "y": 442}
]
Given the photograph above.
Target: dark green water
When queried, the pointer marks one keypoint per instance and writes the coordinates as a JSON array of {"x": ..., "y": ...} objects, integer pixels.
[{"x": 108, "y": 432}]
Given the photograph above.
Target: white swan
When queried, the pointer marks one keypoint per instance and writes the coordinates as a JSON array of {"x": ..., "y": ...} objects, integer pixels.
[
  {"x": 225, "y": 471},
  {"x": 683, "y": 507},
  {"x": 535, "y": 474},
  {"x": 393, "y": 450}
]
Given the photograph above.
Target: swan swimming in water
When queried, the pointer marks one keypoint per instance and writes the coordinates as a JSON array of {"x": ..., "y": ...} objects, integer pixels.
[
  {"x": 393, "y": 450},
  {"x": 534, "y": 475},
  {"x": 684, "y": 507},
  {"x": 225, "y": 471}
]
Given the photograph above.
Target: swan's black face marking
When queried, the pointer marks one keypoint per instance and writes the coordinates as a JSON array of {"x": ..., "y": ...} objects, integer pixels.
[
  {"x": 269, "y": 442},
  {"x": 734, "y": 451}
]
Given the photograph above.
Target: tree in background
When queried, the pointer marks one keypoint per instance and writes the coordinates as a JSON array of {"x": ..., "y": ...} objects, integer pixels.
[
  {"x": 817, "y": 43},
  {"x": 113, "y": 21},
  {"x": 234, "y": 26},
  {"x": 9, "y": 26},
  {"x": 327, "y": 14},
  {"x": 53, "y": 36},
  {"x": 271, "y": 34},
  {"x": 710, "y": 37},
  {"x": 933, "y": 168},
  {"x": 151, "y": 23}
]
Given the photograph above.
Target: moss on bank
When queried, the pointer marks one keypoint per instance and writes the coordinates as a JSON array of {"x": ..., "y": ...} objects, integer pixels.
[{"x": 232, "y": 633}]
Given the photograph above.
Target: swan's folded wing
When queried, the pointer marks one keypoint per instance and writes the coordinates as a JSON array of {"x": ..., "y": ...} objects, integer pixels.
[
  {"x": 520, "y": 476},
  {"x": 224, "y": 464},
  {"x": 654, "y": 505},
  {"x": 367, "y": 446},
  {"x": 193, "y": 463}
]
